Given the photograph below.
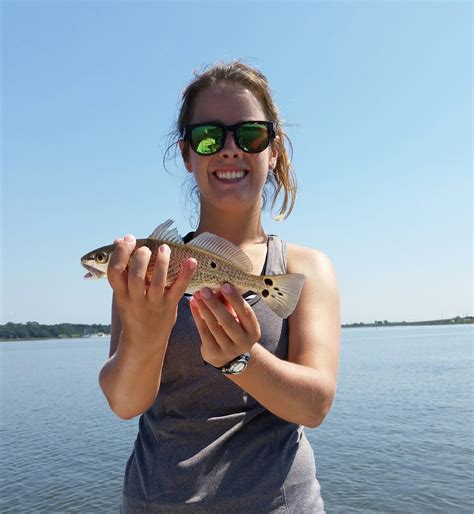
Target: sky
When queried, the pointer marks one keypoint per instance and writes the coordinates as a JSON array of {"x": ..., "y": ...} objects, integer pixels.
[{"x": 376, "y": 98}]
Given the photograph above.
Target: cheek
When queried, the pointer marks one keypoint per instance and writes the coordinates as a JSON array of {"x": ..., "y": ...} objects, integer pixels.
[
  {"x": 199, "y": 166},
  {"x": 192, "y": 162},
  {"x": 263, "y": 160}
]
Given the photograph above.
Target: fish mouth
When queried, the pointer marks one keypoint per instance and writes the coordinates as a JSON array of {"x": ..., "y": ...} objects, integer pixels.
[
  {"x": 230, "y": 176},
  {"x": 93, "y": 272}
]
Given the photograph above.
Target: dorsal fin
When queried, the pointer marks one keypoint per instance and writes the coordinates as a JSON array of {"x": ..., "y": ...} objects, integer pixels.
[
  {"x": 163, "y": 232},
  {"x": 223, "y": 248}
]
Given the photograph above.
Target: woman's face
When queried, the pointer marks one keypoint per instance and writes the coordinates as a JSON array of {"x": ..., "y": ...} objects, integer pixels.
[{"x": 231, "y": 178}]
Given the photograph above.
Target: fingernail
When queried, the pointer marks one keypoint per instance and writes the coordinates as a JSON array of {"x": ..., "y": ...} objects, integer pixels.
[
  {"x": 129, "y": 238},
  {"x": 205, "y": 293},
  {"x": 192, "y": 264},
  {"x": 164, "y": 249},
  {"x": 227, "y": 288}
]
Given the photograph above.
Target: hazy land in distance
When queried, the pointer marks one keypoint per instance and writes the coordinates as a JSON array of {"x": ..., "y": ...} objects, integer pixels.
[{"x": 34, "y": 330}]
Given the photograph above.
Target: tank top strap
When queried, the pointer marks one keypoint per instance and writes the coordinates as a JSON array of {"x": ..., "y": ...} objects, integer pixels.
[{"x": 276, "y": 262}]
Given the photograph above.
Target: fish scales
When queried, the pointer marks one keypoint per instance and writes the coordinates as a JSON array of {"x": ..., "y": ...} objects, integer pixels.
[
  {"x": 212, "y": 270},
  {"x": 218, "y": 262}
]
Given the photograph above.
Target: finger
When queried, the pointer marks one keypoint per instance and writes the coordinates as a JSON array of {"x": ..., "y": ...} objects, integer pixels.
[
  {"x": 217, "y": 318},
  {"x": 181, "y": 284},
  {"x": 245, "y": 314},
  {"x": 158, "y": 279},
  {"x": 210, "y": 350},
  {"x": 226, "y": 304},
  {"x": 200, "y": 323},
  {"x": 137, "y": 271},
  {"x": 117, "y": 269}
]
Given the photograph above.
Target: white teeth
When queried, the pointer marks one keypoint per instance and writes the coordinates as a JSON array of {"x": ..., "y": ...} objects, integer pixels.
[{"x": 230, "y": 175}]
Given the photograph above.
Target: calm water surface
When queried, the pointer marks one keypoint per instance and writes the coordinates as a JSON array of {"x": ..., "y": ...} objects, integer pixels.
[{"x": 398, "y": 439}]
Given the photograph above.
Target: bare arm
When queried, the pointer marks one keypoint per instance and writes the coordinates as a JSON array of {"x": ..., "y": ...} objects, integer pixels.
[
  {"x": 302, "y": 389},
  {"x": 142, "y": 320},
  {"x": 130, "y": 378}
]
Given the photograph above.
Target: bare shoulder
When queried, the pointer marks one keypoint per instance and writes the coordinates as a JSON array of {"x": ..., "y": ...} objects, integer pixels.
[
  {"x": 309, "y": 261},
  {"x": 315, "y": 323},
  {"x": 319, "y": 298}
]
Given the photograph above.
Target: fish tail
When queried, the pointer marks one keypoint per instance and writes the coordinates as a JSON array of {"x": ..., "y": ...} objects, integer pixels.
[{"x": 281, "y": 292}]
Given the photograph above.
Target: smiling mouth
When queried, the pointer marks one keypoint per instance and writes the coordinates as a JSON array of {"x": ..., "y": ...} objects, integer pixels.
[{"x": 230, "y": 176}]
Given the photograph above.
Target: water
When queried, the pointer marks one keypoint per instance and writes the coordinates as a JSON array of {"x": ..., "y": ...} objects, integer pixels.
[
  {"x": 398, "y": 439},
  {"x": 400, "y": 435}
]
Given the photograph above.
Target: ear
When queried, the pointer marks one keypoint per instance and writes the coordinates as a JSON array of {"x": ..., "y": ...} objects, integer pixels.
[
  {"x": 185, "y": 155},
  {"x": 274, "y": 153}
]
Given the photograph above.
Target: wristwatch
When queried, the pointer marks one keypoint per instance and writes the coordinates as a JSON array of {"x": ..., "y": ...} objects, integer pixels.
[{"x": 237, "y": 365}]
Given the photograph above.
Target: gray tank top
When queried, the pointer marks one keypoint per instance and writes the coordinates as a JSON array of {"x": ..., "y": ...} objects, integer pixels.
[{"x": 206, "y": 446}]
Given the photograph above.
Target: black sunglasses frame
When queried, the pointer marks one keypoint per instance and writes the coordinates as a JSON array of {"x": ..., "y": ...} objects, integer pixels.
[{"x": 187, "y": 135}]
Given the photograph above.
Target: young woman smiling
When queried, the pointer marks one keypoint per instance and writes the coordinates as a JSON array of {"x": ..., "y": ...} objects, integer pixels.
[{"x": 227, "y": 436}]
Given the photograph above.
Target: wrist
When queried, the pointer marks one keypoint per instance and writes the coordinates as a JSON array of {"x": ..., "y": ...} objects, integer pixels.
[
  {"x": 141, "y": 345},
  {"x": 236, "y": 366}
]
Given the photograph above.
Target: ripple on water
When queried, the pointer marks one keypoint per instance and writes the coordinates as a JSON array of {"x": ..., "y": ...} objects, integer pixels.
[{"x": 398, "y": 439}]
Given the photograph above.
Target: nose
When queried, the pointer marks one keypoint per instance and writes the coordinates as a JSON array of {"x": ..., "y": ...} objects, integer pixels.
[{"x": 230, "y": 149}]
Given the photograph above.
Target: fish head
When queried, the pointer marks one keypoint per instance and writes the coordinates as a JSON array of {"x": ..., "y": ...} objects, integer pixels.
[{"x": 97, "y": 262}]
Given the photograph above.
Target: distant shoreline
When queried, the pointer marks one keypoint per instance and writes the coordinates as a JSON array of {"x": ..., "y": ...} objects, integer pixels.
[
  {"x": 33, "y": 331},
  {"x": 449, "y": 321}
]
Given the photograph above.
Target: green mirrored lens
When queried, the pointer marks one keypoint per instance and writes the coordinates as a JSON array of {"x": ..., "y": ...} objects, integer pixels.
[
  {"x": 206, "y": 139},
  {"x": 253, "y": 137}
]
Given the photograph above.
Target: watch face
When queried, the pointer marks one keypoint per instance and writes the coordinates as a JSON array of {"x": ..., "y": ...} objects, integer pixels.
[{"x": 238, "y": 367}]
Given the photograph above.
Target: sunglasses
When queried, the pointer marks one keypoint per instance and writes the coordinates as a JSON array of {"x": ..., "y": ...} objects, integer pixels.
[{"x": 249, "y": 136}]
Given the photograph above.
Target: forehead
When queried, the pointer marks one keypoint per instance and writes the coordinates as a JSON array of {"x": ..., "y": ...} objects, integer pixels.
[{"x": 228, "y": 104}]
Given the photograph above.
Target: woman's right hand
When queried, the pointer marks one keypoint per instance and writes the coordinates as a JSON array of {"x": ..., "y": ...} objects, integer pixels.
[{"x": 147, "y": 312}]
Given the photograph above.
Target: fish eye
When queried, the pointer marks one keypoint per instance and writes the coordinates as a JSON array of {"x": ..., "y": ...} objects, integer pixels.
[{"x": 101, "y": 258}]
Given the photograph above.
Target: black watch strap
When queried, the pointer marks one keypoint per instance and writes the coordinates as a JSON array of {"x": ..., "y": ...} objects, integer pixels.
[{"x": 237, "y": 365}]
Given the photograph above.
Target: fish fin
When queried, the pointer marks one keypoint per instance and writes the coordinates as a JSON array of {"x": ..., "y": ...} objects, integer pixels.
[
  {"x": 163, "y": 232},
  {"x": 222, "y": 248},
  {"x": 281, "y": 292},
  {"x": 192, "y": 288}
]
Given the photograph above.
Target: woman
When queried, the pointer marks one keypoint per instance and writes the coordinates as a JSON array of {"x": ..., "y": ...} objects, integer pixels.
[{"x": 228, "y": 439}]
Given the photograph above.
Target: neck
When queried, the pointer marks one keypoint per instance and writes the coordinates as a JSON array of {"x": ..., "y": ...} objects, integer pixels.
[{"x": 239, "y": 227}]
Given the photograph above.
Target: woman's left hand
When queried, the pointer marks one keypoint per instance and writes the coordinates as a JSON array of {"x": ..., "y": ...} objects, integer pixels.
[{"x": 226, "y": 323}]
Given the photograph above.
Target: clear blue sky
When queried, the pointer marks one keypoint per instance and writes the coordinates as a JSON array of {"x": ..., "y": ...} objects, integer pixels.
[{"x": 376, "y": 95}]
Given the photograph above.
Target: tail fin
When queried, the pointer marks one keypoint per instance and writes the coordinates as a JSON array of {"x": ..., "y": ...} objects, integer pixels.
[{"x": 281, "y": 292}]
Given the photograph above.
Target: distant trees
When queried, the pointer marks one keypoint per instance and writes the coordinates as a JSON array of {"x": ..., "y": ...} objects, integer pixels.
[
  {"x": 34, "y": 330},
  {"x": 458, "y": 320}
]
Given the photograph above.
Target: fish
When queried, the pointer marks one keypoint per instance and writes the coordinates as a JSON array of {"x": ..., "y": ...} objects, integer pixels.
[{"x": 218, "y": 261}]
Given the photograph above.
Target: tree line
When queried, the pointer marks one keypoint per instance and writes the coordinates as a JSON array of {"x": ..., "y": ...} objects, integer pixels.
[
  {"x": 458, "y": 320},
  {"x": 34, "y": 330}
]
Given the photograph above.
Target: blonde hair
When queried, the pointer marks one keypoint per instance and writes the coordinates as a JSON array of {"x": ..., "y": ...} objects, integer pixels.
[{"x": 282, "y": 179}]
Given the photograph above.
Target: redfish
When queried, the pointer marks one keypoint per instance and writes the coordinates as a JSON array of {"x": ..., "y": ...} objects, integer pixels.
[{"x": 218, "y": 261}]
